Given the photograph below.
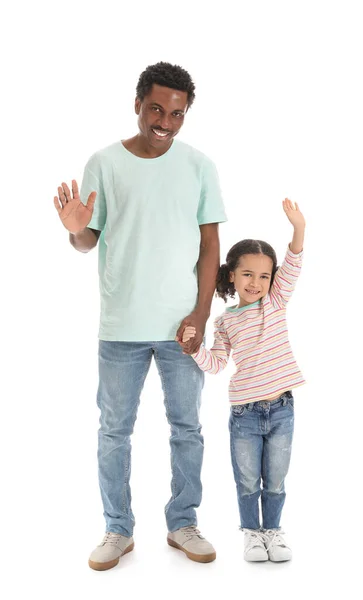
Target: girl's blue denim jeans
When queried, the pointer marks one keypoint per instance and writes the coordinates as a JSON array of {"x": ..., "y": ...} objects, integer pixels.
[{"x": 261, "y": 436}]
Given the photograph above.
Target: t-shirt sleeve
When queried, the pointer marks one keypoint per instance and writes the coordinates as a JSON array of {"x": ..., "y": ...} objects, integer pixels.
[
  {"x": 211, "y": 207},
  {"x": 92, "y": 182}
]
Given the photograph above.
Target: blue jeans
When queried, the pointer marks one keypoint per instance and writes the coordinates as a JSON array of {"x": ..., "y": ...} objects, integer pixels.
[
  {"x": 261, "y": 436},
  {"x": 123, "y": 367}
]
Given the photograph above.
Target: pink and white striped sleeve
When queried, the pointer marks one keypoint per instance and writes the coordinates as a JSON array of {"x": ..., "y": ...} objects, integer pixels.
[
  {"x": 285, "y": 279},
  {"x": 215, "y": 360}
]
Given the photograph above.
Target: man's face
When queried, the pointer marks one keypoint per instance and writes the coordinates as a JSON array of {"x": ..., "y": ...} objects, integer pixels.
[
  {"x": 161, "y": 115},
  {"x": 252, "y": 277}
]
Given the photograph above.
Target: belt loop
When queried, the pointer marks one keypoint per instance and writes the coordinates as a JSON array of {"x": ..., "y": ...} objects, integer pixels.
[{"x": 250, "y": 405}]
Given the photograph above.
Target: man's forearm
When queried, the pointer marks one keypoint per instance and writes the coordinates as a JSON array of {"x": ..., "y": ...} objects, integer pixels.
[
  {"x": 207, "y": 267},
  {"x": 83, "y": 241}
]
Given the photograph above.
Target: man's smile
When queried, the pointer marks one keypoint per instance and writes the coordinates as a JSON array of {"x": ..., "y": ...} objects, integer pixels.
[{"x": 160, "y": 134}]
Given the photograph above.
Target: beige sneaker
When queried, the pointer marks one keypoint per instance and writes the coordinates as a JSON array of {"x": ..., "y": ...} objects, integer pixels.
[
  {"x": 189, "y": 540},
  {"x": 109, "y": 552}
]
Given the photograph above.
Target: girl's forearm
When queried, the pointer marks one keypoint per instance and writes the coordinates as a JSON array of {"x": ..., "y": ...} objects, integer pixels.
[{"x": 297, "y": 243}]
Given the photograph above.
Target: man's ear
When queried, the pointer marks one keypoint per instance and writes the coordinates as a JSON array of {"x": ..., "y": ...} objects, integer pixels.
[{"x": 137, "y": 105}]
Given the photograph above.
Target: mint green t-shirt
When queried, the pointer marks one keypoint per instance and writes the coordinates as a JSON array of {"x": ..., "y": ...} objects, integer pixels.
[{"x": 149, "y": 212}]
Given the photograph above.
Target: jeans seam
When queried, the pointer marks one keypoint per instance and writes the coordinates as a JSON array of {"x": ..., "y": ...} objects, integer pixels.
[
  {"x": 167, "y": 410},
  {"x": 235, "y": 467},
  {"x": 128, "y": 464}
]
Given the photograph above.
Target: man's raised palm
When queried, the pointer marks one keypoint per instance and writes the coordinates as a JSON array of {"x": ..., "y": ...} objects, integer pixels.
[{"x": 74, "y": 215}]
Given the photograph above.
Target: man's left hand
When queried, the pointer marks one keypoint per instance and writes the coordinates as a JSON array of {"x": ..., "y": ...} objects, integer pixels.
[{"x": 198, "y": 321}]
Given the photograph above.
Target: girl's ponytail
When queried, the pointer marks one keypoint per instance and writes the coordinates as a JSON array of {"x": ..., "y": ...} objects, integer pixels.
[{"x": 224, "y": 287}]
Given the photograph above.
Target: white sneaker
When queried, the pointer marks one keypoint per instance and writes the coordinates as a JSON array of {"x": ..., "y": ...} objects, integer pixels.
[
  {"x": 192, "y": 543},
  {"x": 110, "y": 550},
  {"x": 278, "y": 550},
  {"x": 255, "y": 549}
]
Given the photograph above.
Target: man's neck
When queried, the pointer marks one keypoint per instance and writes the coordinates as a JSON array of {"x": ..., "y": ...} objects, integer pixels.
[{"x": 139, "y": 146}]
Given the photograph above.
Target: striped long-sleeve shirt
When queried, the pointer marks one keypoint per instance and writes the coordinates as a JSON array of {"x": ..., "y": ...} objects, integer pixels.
[{"x": 257, "y": 335}]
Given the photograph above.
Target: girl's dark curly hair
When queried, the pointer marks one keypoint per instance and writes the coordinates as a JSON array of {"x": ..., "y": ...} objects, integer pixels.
[
  {"x": 224, "y": 286},
  {"x": 167, "y": 75}
]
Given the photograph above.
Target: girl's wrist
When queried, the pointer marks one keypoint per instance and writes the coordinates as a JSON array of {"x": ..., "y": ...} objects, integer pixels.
[
  {"x": 296, "y": 245},
  {"x": 299, "y": 228}
]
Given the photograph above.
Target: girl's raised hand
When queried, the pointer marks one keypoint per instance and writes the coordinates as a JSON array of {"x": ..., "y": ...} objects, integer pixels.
[{"x": 293, "y": 213}]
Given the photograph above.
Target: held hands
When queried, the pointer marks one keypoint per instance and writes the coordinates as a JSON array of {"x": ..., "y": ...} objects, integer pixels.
[
  {"x": 74, "y": 215},
  {"x": 189, "y": 333},
  {"x": 195, "y": 325}
]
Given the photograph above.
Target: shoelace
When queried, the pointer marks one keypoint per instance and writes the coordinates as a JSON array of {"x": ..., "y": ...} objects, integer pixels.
[
  {"x": 111, "y": 538},
  {"x": 272, "y": 537},
  {"x": 192, "y": 531},
  {"x": 257, "y": 538}
]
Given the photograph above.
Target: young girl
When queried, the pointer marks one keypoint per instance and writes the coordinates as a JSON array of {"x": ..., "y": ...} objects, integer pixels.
[{"x": 262, "y": 406}]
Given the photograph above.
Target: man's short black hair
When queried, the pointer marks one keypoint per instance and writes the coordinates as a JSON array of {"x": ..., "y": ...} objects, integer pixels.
[{"x": 167, "y": 75}]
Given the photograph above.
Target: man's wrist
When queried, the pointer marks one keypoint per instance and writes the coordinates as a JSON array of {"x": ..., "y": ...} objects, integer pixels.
[
  {"x": 202, "y": 311},
  {"x": 75, "y": 233}
]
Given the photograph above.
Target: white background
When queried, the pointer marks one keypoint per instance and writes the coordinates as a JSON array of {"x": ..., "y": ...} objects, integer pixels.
[{"x": 279, "y": 109}]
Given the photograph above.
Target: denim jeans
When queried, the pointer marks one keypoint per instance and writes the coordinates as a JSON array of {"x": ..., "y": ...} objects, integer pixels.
[
  {"x": 123, "y": 367},
  {"x": 261, "y": 436}
]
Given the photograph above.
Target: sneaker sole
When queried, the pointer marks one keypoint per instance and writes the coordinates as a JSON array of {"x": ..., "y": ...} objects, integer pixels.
[
  {"x": 201, "y": 558},
  {"x": 256, "y": 559},
  {"x": 280, "y": 559},
  {"x": 97, "y": 566}
]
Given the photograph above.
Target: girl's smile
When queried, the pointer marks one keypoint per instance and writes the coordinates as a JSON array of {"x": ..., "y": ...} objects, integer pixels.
[{"x": 252, "y": 277}]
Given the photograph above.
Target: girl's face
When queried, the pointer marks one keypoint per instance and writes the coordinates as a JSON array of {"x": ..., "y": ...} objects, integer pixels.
[{"x": 252, "y": 277}]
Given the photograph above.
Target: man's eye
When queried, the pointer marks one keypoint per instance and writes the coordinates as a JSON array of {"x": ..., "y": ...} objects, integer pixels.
[
  {"x": 178, "y": 115},
  {"x": 155, "y": 108}
]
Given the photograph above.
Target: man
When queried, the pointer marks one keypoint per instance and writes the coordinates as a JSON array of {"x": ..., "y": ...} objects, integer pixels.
[{"x": 153, "y": 204}]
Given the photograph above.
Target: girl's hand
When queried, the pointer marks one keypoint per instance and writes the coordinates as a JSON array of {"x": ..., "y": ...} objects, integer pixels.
[
  {"x": 296, "y": 218},
  {"x": 188, "y": 333},
  {"x": 294, "y": 214}
]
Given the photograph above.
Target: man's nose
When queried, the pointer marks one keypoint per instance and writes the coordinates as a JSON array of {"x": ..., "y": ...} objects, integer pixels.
[{"x": 165, "y": 122}]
